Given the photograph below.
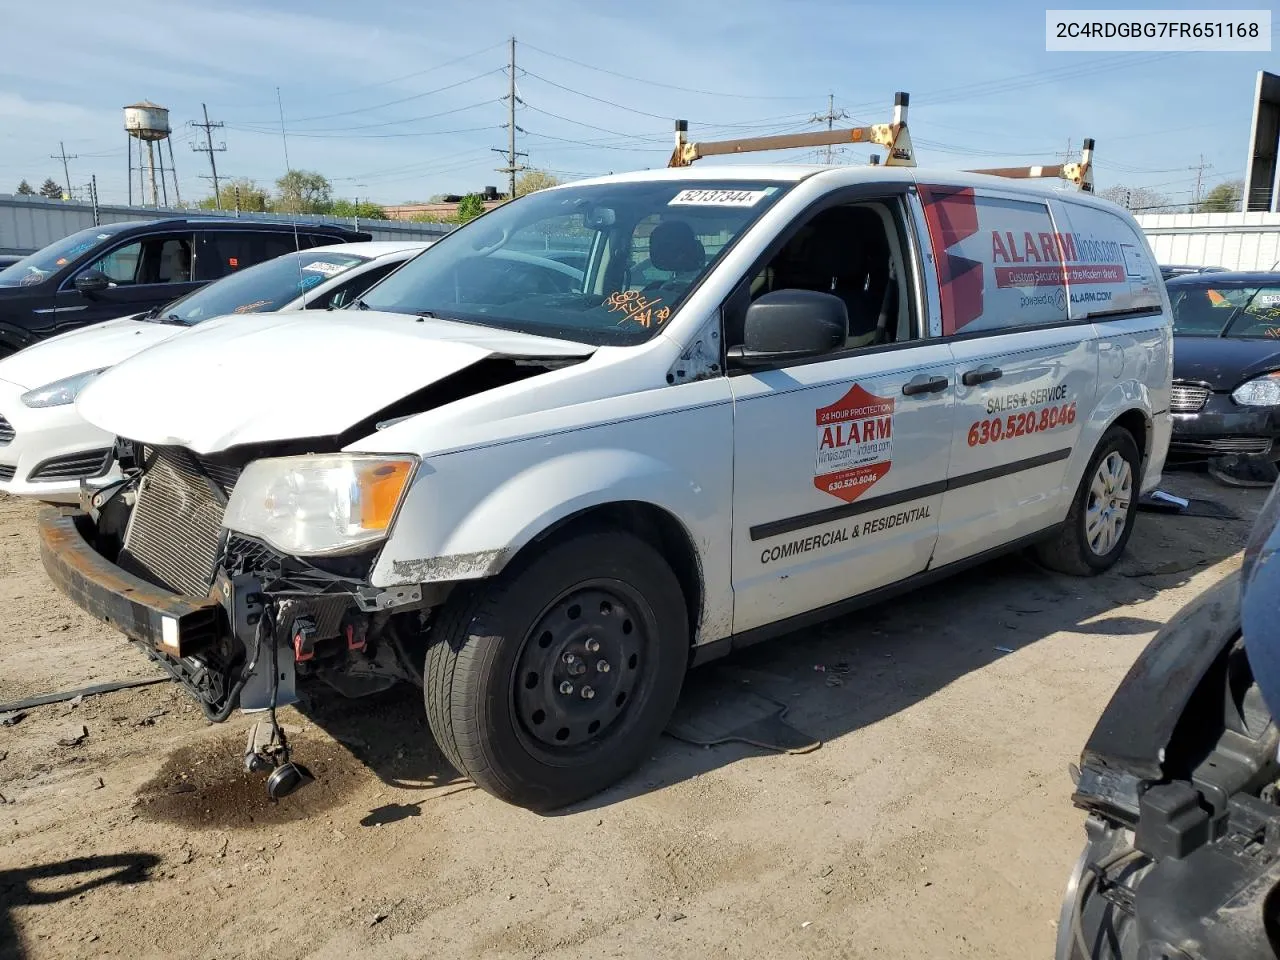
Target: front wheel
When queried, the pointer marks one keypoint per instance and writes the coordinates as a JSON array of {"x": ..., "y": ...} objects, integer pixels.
[
  {"x": 553, "y": 680},
  {"x": 1100, "y": 521}
]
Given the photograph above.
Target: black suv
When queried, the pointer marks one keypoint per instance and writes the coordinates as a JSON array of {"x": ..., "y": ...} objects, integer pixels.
[{"x": 123, "y": 268}]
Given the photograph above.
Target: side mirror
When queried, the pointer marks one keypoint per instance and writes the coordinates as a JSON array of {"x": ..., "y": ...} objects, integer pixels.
[
  {"x": 92, "y": 282},
  {"x": 791, "y": 325}
]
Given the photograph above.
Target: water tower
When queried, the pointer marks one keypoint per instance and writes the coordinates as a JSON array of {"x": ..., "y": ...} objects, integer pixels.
[{"x": 148, "y": 123}]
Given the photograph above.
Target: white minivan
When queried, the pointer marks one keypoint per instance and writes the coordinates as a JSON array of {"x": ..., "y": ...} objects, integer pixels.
[{"x": 540, "y": 492}]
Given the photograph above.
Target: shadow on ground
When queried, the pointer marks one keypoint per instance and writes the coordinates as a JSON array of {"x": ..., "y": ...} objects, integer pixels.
[
  {"x": 887, "y": 657},
  {"x": 53, "y": 882}
]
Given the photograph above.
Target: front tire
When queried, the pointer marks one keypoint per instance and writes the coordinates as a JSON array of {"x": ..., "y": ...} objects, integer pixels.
[
  {"x": 552, "y": 681},
  {"x": 1100, "y": 521}
]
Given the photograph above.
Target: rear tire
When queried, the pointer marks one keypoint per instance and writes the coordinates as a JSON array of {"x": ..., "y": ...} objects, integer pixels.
[
  {"x": 552, "y": 681},
  {"x": 1100, "y": 521}
]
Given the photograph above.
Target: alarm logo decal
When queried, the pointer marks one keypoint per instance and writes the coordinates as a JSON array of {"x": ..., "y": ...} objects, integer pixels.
[{"x": 854, "y": 444}]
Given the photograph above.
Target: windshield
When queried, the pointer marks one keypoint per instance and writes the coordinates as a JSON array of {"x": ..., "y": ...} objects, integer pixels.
[
  {"x": 262, "y": 288},
  {"x": 1246, "y": 311},
  {"x": 49, "y": 260},
  {"x": 602, "y": 264}
]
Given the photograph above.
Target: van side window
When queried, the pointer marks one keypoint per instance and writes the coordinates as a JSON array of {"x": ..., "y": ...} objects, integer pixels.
[
  {"x": 853, "y": 252},
  {"x": 1001, "y": 262},
  {"x": 159, "y": 259}
]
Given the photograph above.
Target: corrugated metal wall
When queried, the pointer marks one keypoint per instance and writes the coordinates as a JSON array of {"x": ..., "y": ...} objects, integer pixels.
[
  {"x": 1237, "y": 241},
  {"x": 29, "y": 223}
]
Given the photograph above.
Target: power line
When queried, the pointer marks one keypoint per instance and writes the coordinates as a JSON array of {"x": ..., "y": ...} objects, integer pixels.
[
  {"x": 317, "y": 131},
  {"x": 389, "y": 103},
  {"x": 208, "y": 127},
  {"x": 371, "y": 136},
  {"x": 655, "y": 83}
]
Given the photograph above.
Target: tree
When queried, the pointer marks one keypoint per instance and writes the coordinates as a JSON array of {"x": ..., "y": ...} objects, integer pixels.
[
  {"x": 1224, "y": 198},
  {"x": 360, "y": 209},
  {"x": 1137, "y": 199},
  {"x": 304, "y": 191},
  {"x": 251, "y": 197},
  {"x": 470, "y": 207},
  {"x": 25, "y": 189},
  {"x": 533, "y": 180},
  {"x": 429, "y": 218},
  {"x": 51, "y": 189}
]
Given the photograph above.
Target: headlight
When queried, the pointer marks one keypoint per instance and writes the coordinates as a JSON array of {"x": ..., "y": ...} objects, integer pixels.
[
  {"x": 319, "y": 505},
  {"x": 60, "y": 392},
  {"x": 1262, "y": 392}
]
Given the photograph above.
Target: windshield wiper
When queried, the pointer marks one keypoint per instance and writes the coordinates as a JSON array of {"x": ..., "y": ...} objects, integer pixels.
[{"x": 359, "y": 304}]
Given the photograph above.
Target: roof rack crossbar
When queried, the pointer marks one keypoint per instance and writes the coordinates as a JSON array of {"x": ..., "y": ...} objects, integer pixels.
[
  {"x": 1078, "y": 172},
  {"x": 892, "y": 136}
]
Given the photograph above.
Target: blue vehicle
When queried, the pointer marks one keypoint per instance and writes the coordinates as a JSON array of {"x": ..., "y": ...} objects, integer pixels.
[{"x": 1181, "y": 783}]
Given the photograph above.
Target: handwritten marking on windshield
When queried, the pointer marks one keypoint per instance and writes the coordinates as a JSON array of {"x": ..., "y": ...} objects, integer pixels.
[{"x": 638, "y": 308}]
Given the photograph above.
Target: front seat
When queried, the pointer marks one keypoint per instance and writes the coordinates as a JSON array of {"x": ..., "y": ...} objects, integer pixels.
[{"x": 676, "y": 249}]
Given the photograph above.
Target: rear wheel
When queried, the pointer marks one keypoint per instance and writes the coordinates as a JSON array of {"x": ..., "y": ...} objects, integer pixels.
[
  {"x": 552, "y": 681},
  {"x": 1101, "y": 518}
]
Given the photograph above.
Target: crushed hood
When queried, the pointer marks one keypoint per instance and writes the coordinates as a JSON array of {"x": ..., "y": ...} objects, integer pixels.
[
  {"x": 89, "y": 348},
  {"x": 290, "y": 376}
]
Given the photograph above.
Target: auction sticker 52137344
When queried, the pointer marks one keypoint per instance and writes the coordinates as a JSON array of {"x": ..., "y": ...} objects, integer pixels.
[{"x": 854, "y": 444}]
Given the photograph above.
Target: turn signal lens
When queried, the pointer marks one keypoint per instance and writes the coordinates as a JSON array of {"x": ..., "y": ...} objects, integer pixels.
[{"x": 380, "y": 486}]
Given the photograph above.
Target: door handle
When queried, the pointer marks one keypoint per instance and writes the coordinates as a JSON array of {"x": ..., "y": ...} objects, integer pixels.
[
  {"x": 983, "y": 374},
  {"x": 923, "y": 384}
]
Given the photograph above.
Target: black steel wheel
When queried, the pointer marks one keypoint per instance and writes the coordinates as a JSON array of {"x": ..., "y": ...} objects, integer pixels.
[
  {"x": 581, "y": 664},
  {"x": 551, "y": 681}
]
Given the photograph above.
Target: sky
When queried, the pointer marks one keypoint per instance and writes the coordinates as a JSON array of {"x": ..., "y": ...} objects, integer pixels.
[{"x": 395, "y": 102}]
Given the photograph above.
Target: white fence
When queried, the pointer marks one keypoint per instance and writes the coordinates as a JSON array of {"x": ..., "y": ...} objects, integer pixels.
[
  {"x": 29, "y": 223},
  {"x": 1237, "y": 241}
]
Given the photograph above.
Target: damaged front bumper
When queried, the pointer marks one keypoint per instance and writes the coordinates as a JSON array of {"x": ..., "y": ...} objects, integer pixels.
[
  {"x": 199, "y": 641},
  {"x": 221, "y": 647},
  {"x": 166, "y": 621}
]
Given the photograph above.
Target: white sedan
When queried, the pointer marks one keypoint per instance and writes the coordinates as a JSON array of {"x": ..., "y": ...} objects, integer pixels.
[{"x": 46, "y": 448}]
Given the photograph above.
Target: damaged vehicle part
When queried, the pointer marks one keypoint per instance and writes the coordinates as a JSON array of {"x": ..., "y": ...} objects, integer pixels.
[{"x": 1181, "y": 783}]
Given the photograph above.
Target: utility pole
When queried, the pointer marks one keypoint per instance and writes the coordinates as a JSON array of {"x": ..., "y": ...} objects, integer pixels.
[
  {"x": 831, "y": 116},
  {"x": 512, "y": 167},
  {"x": 66, "y": 175},
  {"x": 210, "y": 149},
  {"x": 1199, "y": 168}
]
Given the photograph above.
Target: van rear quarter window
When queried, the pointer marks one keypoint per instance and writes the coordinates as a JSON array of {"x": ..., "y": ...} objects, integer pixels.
[{"x": 1005, "y": 263}]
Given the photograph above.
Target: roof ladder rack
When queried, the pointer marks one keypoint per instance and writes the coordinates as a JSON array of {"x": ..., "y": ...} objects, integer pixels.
[
  {"x": 892, "y": 136},
  {"x": 1080, "y": 173}
]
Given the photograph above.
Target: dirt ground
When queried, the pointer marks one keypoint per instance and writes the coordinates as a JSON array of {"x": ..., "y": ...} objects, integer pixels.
[{"x": 934, "y": 821}]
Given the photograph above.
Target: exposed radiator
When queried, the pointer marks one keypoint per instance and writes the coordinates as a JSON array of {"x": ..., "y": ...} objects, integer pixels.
[{"x": 173, "y": 534}]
